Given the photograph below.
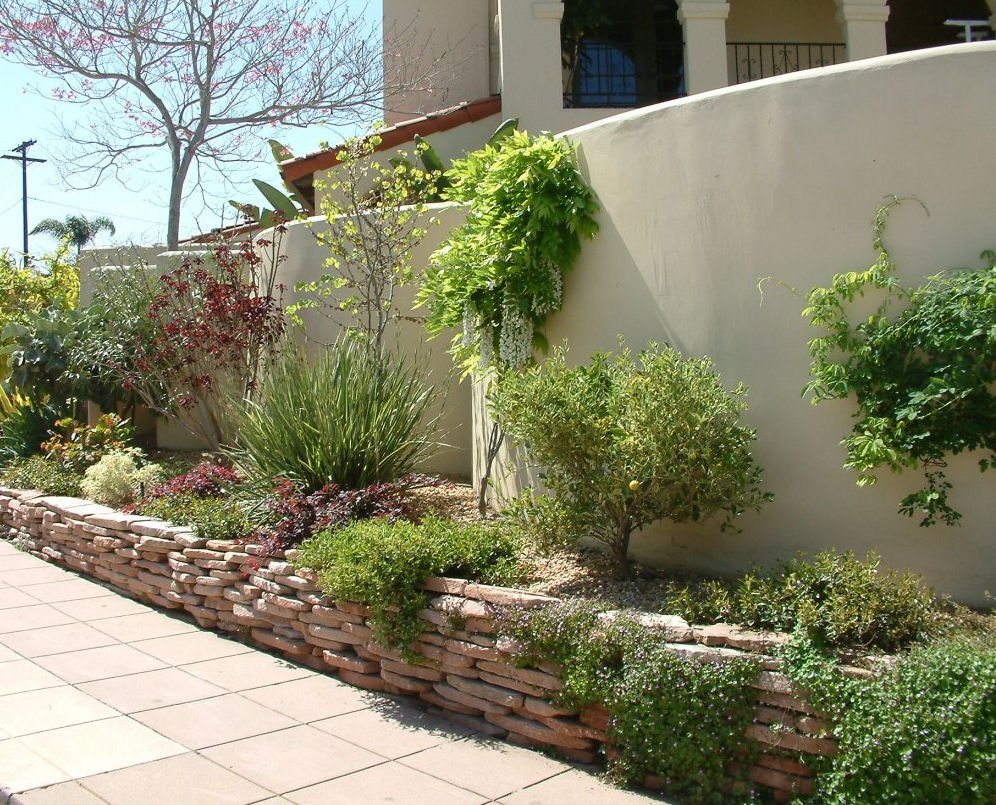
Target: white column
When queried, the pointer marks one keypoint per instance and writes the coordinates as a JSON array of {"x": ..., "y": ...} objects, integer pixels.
[
  {"x": 863, "y": 22},
  {"x": 531, "y": 74},
  {"x": 704, "y": 23},
  {"x": 992, "y": 17}
]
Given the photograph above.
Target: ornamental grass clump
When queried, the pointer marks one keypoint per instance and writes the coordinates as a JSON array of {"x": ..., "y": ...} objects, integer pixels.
[
  {"x": 353, "y": 417},
  {"x": 626, "y": 442}
]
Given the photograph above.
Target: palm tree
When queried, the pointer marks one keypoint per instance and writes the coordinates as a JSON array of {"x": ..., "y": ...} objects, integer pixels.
[{"x": 79, "y": 229}]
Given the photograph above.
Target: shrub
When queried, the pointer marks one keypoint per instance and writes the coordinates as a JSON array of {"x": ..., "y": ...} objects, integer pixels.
[
  {"x": 52, "y": 283},
  {"x": 671, "y": 716},
  {"x": 78, "y": 446},
  {"x": 351, "y": 418},
  {"x": 209, "y": 517},
  {"x": 206, "y": 480},
  {"x": 383, "y": 564},
  {"x": 118, "y": 478},
  {"x": 922, "y": 733},
  {"x": 194, "y": 335},
  {"x": 290, "y": 516},
  {"x": 836, "y": 597},
  {"x": 39, "y": 472},
  {"x": 376, "y": 219},
  {"x": 625, "y": 443}
]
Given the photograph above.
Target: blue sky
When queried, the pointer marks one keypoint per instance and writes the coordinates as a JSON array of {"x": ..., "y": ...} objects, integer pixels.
[{"x": 138, "y": 210}]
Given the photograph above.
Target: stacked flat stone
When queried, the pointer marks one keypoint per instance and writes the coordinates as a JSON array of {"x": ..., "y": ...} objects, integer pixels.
[{"x": 459, "y": 666}]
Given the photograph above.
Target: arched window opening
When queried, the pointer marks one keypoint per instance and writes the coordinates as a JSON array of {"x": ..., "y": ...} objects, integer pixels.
[{"x": 621, "y": 54}]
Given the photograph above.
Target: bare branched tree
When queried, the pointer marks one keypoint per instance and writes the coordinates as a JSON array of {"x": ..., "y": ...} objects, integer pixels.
[{"x": 196, "y": 78}]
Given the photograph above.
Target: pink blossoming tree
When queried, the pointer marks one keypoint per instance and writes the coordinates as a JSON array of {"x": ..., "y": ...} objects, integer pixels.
[{"x": 196, "y": 78}]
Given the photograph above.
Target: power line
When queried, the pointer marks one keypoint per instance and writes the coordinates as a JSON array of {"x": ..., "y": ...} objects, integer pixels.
[{"x": 96, "y": 212}]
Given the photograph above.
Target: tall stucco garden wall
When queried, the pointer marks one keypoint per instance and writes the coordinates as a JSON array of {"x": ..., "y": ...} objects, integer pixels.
[{"x": 704, "y": 197}]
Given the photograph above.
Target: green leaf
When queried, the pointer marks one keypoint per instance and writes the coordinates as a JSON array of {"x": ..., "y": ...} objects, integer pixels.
[{"x": 280, "y": 202}]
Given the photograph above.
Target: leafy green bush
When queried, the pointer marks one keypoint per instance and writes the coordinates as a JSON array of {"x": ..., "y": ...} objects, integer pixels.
[
  {"x": 383, "y": 564},
  {"x": 353, "y": 417},
  {"x": 922, "y": 733},
  {"x": 671, "y": 716},
  {"x": 39, "y": 472},
  {"x": 27, "y": 424},
  {"x": 924, "y": 379},
  {"x": 836, "y": 597},
  {"x": 210, "y": 517},
  {"x": 53, "y": 282},
  {"x": 627, "y": 442},
  {"x": 78, "y": 446},
  {"x": 499, "y": 276},
  {"x": 118, "y": 477}
]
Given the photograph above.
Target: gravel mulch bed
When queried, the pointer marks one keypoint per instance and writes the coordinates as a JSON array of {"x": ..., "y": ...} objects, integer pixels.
[{"x": 567, "y": 573}]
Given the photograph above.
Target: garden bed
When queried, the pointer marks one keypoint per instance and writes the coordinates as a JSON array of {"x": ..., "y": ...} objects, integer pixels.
[{"x": 463, "y": 668}]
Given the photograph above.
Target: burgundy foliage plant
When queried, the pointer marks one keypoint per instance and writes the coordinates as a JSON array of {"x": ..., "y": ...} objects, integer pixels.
[{"x": 292, "y": 516}]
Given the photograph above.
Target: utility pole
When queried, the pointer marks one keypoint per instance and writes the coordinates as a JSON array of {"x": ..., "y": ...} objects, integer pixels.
[{"x": 24, "y": 159}]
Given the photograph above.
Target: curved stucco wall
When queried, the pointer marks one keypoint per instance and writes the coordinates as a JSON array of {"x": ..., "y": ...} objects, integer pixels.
[{"x": 703, "y": 197}]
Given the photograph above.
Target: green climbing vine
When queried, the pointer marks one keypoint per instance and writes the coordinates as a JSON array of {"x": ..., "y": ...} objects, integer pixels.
[
  {"x": 499, "y": 276},
  {"x": 923, "y": 377}
]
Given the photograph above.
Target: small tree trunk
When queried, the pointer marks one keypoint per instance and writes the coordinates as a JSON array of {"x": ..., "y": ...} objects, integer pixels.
[
  {"x": 624, "y": 532},
  {"x": 494, "y": 445},
  {"x": 173, "y": 220}
]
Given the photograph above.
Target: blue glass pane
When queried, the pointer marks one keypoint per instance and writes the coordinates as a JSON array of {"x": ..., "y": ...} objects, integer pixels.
[{"x": 608, "y": 76}]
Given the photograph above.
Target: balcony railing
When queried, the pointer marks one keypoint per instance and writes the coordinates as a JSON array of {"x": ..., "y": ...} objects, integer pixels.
[
  {"x": 750, "y": 61},
  {"x": 624, "y": 76}
]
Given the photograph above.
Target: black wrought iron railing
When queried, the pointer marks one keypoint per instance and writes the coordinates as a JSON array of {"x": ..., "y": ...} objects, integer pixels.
[
  {"x": 750, "y": 61},
  {"x": 606, "y": 74}
]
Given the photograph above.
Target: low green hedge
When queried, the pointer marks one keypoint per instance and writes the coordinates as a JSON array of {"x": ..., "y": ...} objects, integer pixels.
[
  {"x": 210, "y": 518},
  {"x": 383, "y": 564},
  {"x": 43, "y": 474},
  {"x": 838, "y": 598}
]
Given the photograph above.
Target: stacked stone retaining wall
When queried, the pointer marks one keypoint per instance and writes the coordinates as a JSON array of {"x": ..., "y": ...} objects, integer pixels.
[{"x": 465, "y": 671}]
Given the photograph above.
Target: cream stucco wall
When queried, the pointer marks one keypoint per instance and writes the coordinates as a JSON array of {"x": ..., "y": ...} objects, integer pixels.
[
  {"x": 703, "y": 197},
  {"x": 445, "y": 41}
]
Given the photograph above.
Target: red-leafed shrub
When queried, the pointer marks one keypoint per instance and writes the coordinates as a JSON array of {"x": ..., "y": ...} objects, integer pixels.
[
  {"x": 203, "y": 331},
  {"x": 206, "y": 480},
  {"x": 292, "y": 516}
]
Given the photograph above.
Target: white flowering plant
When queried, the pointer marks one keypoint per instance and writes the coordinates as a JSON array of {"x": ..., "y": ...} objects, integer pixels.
[
  {"x": 499, "y": 276},
  {"x": 119, "y": 477}
]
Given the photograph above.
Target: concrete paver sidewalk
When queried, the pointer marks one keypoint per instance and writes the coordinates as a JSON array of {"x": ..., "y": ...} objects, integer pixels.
[{"x": 106, "y": 700}]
